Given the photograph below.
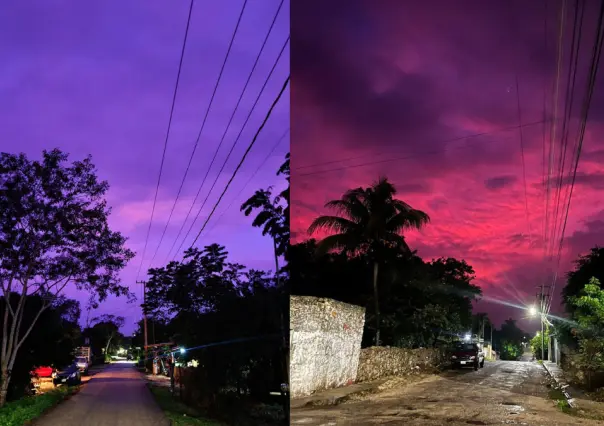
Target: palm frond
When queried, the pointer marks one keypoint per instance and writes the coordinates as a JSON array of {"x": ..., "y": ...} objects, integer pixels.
[
  {"x": 406, "y": 220},
  {"x": 331, "y": 223},
  {"x": 339, "y": 242},
  {"x": 350, "y": 208}
]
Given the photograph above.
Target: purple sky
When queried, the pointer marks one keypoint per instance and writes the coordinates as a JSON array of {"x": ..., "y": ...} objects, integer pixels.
[
  {"x": 98, "y": 77},
  {"x": 384, "y": 87}
]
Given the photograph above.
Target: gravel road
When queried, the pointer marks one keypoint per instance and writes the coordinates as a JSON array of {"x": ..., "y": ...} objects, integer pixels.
[
  {"x": 117, "y": 396},
  {"x": 503, "y": 392}
]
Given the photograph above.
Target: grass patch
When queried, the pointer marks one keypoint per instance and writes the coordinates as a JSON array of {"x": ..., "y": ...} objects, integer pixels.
[
  {"x": 179, "y": 413},
  {"x": 17, "y": 413},
  {"x": 561, "y": 402}
]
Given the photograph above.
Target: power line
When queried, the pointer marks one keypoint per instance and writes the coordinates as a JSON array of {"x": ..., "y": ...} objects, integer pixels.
[
  {"x": 227, "y": 128},
  {"x": 163, "y": 156},
  {"x": 249, "y": 148},
  {"x": 252, "y": 109},
  {"x": 436, "y": 151},
  {"x": 207, "y": 113},
  {"x": 249, "y": 180},
  {"x": 594, "y": 66}
]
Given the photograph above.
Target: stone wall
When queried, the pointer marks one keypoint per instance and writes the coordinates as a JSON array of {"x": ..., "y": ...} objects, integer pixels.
[
  {"x": 325, "y": 343},
  {"x": 377, "y": 362}
]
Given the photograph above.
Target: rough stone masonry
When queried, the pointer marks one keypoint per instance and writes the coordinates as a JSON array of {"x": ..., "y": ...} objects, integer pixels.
[{"x": 325, "y": 343}]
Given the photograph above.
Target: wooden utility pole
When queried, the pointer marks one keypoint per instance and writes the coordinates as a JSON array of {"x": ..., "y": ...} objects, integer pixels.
[{"x": 144, "y": 306}]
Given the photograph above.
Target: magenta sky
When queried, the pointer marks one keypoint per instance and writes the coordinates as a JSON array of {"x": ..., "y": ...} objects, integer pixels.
[
  {"x": 97, "y": 78},
  {"x": 382, "y": 80}
]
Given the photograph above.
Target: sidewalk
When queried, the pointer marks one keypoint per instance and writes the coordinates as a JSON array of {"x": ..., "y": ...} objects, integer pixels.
[{"x": 558, "y": 375}]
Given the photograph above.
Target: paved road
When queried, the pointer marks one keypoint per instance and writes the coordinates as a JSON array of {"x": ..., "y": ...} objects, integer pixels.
[
  {"x": 117, "y": 396},
  {"x": 503, "y": 392}
]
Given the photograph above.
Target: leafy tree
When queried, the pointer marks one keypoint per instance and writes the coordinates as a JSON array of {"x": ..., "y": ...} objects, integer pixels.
[
  {"x": 369, "y": 221},
  {"x": 107, "y": 327},
  {"x": 53, "y": 233},
  {"x": 589, "y": 314},
  {"x": 273, "y": 213},
  {"x": 535, "y": 344},
  {"x": 197, "y": 300},
  {"x": 510, "y": 350},
  {"x": 511, "y": 338},
  {"x": 429, "y": 302},
  {"x": 587, "y": 266}
]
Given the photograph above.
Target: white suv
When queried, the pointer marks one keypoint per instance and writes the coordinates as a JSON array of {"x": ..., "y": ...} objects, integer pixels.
[{"x": 82, "y": 364}]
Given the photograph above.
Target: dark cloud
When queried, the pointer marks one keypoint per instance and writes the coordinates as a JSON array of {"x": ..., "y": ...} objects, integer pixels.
[
  {"x": 591, "y": 234},
  {"x": 591, "y": 180},
  {"x": 499, "y": 182}
]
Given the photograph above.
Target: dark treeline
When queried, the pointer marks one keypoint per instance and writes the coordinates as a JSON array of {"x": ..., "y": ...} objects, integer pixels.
[
  {"x": 366, "y": 261},
  {"x": 232, "y": 320}
]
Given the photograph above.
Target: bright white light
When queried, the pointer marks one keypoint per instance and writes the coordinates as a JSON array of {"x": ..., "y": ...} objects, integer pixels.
[
  {"x": 538, "y": 333},
  {"x": 182, "y": 350},
  {"x": 467, "y": 337},
  {"x": 532, "y": 311}
]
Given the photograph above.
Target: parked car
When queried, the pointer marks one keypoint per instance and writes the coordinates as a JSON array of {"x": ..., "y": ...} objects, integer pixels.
[
  {"x": 467, "y": 355},
  {"x": 69, "y": 376},
  {"x": 82, "y": 364},
  {"x": 43, "y": 371}
]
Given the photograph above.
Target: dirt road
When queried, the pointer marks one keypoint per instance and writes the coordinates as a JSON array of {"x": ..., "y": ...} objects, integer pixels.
[
  {"x": 117, "y": 396},
  {"x": 503, "y": 392}
]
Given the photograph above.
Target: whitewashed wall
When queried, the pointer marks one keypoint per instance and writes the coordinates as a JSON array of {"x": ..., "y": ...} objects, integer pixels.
[{"x": 325, "y": 343}]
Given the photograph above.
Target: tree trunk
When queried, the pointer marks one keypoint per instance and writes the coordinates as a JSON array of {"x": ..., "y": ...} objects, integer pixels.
[
  {"x": 377, "y": 304},
  {"x": 4, "y": 381}
]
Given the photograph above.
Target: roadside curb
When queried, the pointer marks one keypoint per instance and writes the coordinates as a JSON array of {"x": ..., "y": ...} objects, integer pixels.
[{"x": 562, "y": 386}]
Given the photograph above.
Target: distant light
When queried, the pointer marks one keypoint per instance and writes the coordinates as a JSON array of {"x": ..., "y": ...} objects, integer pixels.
[
  {"x": 182, "y": 350},
  {"x": 532, "y": 311},
  {"x": 468, "y": 337}
]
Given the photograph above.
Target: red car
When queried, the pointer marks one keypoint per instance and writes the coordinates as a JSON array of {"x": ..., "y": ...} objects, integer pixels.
[{"x": 44, "y": 371}]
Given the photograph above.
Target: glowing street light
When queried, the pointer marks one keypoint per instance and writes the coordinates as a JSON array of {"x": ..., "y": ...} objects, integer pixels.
[
  {"x": 532, "y": 311},
  {"x": 467, "y": 337},
  {"x": 182, "y": 350}
]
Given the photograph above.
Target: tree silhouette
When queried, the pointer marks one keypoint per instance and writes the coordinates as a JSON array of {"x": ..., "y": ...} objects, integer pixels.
[
  {"x": 53, "y": 232},
  {"x": 370, "y": 221}
]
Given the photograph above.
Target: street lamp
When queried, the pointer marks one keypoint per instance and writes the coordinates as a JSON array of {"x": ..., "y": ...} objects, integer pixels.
[
  {"x": 532, "y": 310},
  {"x": 467, "y": 337}
]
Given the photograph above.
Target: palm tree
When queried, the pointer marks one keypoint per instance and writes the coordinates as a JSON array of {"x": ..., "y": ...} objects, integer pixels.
[{"x": 368, "y": 221}]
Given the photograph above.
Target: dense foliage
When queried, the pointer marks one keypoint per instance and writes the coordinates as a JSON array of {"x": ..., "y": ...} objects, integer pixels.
[
  {"x": 589, "y": 316},
  {"x": 232, "y": 320},
  {"x": 422, "y": 303}
]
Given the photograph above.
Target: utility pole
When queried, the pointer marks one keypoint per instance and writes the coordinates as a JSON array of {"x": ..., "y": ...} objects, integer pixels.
[
  {"x": 144, "y": 306},
  {"x": 541, "y": 298},
  {"x": 491, "y": 324}
]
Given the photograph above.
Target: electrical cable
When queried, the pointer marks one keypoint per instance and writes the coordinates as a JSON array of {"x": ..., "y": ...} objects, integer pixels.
[
  {"x": 163, "y": 157},
  {"x": 247, "y": 151},
  {"x": 248, "y": 181},
  {"x": 251, "y": 111},
  {"x": 226, "y": 57},
  {"x": 227, "y": 128},
  {"x": 594, "y": 66},
  {"x": 437, "y": 151}
]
